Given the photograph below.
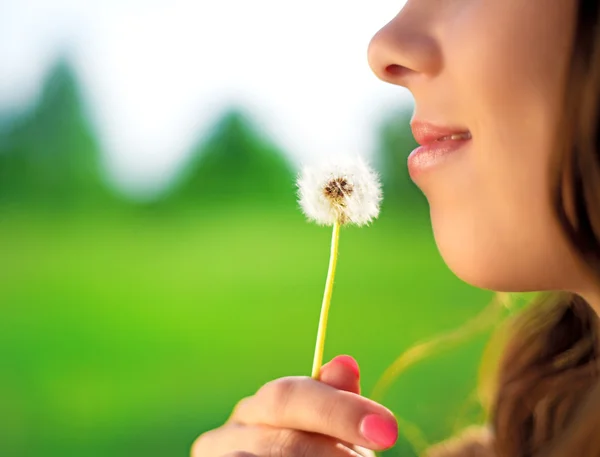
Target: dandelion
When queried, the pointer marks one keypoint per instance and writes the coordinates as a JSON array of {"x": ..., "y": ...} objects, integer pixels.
[{"x": 347, "y": 192}]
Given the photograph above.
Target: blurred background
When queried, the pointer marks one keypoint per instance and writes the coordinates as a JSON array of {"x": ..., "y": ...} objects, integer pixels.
[{"x": 154, "y": 265}]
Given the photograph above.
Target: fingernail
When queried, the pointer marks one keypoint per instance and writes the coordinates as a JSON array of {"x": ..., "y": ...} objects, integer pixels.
[
  {"x": 349, "y": 362},
  {"x": 380, "y": 430}
]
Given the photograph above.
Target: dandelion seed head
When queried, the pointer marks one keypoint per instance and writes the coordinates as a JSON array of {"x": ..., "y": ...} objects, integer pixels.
[
  {"x": 337, "y": 189},
  {"x": 347, "y": 191}
]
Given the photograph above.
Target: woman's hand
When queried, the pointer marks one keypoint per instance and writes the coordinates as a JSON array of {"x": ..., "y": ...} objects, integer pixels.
[{"x": 301, "y": 417}]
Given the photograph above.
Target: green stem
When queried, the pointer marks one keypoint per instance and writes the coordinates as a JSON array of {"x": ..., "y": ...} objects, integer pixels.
[{"x": 318, "y": 360}]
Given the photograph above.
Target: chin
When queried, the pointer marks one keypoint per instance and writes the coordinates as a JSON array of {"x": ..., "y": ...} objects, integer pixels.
[
  {"x": 475, "y": 271},
  {"x": 482, "y": 262}
]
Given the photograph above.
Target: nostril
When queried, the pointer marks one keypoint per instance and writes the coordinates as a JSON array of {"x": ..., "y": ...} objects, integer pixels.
[{"x": 395, "y": 70}]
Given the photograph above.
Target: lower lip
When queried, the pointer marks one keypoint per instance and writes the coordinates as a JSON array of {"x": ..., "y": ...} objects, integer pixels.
[{"x": 431, "y": 155}]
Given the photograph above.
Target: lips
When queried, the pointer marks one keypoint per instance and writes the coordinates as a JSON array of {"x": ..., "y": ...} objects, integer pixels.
[
  {"x": 426, "y": 133},
  {"x": 438, "y": 145}
]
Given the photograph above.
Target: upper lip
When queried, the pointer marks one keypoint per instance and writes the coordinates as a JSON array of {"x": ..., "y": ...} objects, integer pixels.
[{"x": 426, "y": 133}]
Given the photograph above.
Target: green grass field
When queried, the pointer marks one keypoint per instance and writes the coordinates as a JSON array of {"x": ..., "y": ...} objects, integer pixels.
[{"x": 127, "y": 335}]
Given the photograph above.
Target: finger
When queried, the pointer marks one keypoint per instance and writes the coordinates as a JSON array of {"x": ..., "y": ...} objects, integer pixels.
[
  {"x": 239, "y": 454},
  {"x": 303, "y": 403},
  {"x": 342, "y": 373},
  {"x": 265, "y": 441}
]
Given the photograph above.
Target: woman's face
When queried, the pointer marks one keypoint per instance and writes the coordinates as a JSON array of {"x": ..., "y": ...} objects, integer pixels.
[{"x": 496, "y": 69}]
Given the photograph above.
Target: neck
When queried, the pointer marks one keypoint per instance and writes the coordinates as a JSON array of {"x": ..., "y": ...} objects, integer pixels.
[
  {"x": 594, "y": 301},
  {"x": 588, "y": 287},
  {"x": 592, "y": 296}
]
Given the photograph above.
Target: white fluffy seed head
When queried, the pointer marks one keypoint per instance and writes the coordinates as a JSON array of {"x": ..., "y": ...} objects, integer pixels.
[{"x": 347, "y": 191}]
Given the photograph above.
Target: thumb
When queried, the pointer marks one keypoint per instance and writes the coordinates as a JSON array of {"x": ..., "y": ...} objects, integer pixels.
[{"x": 342, "y": 373}]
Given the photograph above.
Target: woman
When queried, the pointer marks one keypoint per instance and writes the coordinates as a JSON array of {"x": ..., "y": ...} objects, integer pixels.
[{"x": 507, "y": 94}]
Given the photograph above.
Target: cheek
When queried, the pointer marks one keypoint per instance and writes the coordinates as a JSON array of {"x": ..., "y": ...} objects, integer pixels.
[
  {"x": 510, "y": 78},
  {"x": 490, "y": 209},
  {"x": 491, "y": 212}
]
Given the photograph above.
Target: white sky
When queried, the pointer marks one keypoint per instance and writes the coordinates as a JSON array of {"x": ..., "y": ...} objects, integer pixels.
[{"x": 158, "y": 73}]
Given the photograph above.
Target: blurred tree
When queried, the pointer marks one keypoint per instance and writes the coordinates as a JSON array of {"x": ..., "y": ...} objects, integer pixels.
[
  {"x": 395, "y": 144},
  {"x": 236, "y": 163},
  {"x": 48, "y": 154}
]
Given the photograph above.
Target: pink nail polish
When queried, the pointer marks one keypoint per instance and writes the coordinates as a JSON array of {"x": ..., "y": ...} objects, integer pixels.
[
  {"x": 381, "y": 431},
  {"x": 349, "y": 362}
]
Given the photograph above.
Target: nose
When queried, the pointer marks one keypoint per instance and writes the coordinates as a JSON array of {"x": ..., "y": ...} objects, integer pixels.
[{"x": 404, "y": 49}]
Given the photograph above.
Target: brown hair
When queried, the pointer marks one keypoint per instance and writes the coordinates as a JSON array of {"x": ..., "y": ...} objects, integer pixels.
[{"x": 548, "y": 398}]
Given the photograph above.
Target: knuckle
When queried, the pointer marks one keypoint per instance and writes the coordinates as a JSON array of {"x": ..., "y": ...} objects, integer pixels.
[
  {"x": 278, "y": 388},
  {"x": 276, "y": 395},
  {"x": 199, "y": 444},
  {"x": 240, "y": 410}
]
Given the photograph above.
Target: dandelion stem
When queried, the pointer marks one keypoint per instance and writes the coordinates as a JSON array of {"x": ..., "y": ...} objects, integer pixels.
[{"x": 318, "y": 360}]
